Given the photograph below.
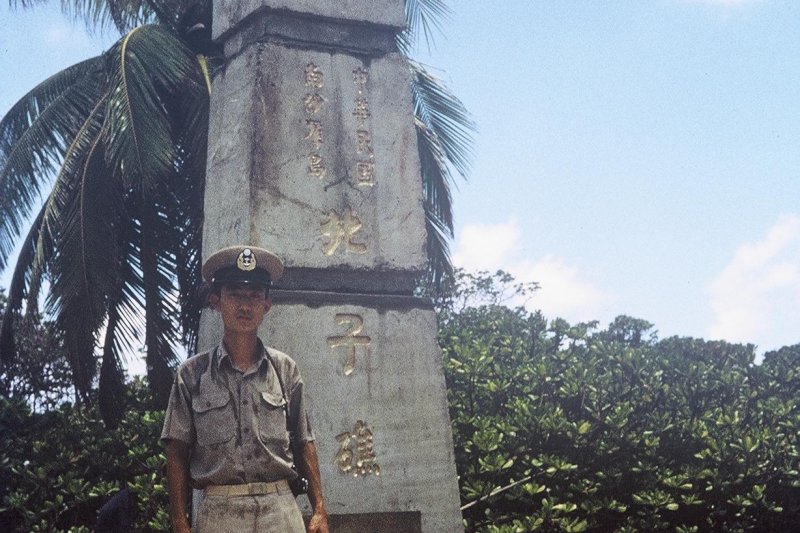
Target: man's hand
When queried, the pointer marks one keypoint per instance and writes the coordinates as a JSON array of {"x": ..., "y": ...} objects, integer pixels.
[
  {"x": 318, "y": 523},
  {"x": 178, "y": 485},
  {"x": 182, "y": 529},
  {"x": 309, "y": 465}
]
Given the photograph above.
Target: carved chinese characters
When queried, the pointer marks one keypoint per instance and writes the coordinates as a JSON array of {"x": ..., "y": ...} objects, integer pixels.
[
  {"x": 350, "y": 340},
  {"x": 394, "y": 389},
  {"x": 314, "y": 133},
  {"x": 360, "y": 78},
  {"x": 312, "y": 103},
  {"x": 341, "y": 230},
  {"x": 365, "y": 165},
  {"x": 313, "y": 143},
  {"x": 335, "y": 178},
  {"x": 355, "y": 455}
]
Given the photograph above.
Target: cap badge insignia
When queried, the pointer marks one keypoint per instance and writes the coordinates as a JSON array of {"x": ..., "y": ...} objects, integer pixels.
[{"x": 246, "y": 260}]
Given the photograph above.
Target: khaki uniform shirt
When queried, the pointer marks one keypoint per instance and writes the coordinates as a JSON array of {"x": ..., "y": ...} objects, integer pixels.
[{"x": 234, "y": 422}]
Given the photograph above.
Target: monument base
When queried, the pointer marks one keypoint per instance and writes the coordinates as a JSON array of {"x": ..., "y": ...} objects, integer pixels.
[{"x": 408, "y": 522}]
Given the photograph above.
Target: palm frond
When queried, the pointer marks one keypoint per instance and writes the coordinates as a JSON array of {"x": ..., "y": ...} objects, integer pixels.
[
  {"x": 82, "y": 272},
  {"x": 436, "y": 178},
  {"x": 191, "y": 148},
  {"x": 146, "y": 62},
  {"x": 127, "y": 302},
  {"x": 61, "y": 196},
  {"x": 444, "y": 116},
  {"x": 128, "y": 14},
  {"x": 169, "y": 228},
  {"x": 17, "y": 289},
  {"x": 111, "y": 393},
  {"x": 34, "y": 135},
  {"x": 440, "y": 267},
  {"x": 426, "y": 16},
  {"x": 68, "y": 183},
  {"x": 161, "y": 299},
  {"x": 444, "y": 138},
  {"x": 52, "y": 223}
]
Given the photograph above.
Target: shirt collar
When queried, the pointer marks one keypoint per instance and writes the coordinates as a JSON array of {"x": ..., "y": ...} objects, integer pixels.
[{"x": 221, "y": 354}]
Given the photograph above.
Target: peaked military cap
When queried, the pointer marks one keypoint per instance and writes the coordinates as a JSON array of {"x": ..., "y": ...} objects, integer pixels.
[{"x": 242, "y": 264}]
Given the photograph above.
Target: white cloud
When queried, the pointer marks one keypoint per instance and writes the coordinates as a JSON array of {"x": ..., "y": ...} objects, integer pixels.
[
  {"x": 565, "y": 290},
  {"x": 487, "y": 247},
  {"x": 756, "y": 297}
]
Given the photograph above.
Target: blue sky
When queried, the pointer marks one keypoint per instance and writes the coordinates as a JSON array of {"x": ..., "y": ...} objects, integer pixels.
[{"x": 635, "y": 157}]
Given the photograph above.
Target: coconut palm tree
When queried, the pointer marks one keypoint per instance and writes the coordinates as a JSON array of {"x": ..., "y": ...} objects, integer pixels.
[
  {"x": 112, "y": 151},
  {"x": 444, "y": 135}
]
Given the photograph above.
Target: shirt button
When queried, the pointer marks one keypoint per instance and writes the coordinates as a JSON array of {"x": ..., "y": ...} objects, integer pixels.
[
  {"x": 208, "y": 404},
  {"x": 244, "y": 402}
]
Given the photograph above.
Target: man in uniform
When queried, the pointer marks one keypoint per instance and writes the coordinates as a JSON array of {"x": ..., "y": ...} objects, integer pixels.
[{"x": 236, "y": 426}]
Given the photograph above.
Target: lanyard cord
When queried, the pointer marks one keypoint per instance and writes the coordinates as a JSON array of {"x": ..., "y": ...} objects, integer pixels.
[
  {"x": 302, "y": 487},
  {"x": 283, "y": 391}
]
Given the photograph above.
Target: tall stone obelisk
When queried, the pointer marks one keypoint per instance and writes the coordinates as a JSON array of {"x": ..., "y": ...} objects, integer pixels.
[{"x": 313, "y": 154}]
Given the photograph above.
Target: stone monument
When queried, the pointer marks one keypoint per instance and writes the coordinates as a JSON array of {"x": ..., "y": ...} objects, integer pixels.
[{"x": 313, "y": 154}]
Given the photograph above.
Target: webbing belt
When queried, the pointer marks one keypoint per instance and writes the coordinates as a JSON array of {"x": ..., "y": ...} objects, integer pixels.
[{"x": 248, "y": 489}]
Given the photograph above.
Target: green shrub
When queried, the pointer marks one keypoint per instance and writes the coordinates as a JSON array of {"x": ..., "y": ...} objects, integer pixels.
[
  {"x": 59, "y": 467},
  {"x": 614, "y": 430},
  {"x": 557, "y": 427}
]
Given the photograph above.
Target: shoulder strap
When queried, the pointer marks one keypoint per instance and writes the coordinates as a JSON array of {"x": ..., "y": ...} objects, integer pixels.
[
  {"x": 283, "y": 392},
  {"x": 208, "y": 357}
]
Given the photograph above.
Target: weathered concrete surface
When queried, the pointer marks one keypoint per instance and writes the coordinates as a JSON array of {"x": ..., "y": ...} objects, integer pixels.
[
  {"x": 304, "y": 192},
  {"x": 397, "y": 387},
  {"x": 319, "y": 34},
  {"x": 313, "y": 154},
  {"x": 227, "y": 195},
  {"x": 229, "y": 13},
  {"x": 375, "y": 522}
]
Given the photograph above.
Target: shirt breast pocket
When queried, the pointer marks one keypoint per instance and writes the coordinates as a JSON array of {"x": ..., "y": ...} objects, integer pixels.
[
  {"x": 213, "y": 418},
  {"x": 272, "y": 420}
]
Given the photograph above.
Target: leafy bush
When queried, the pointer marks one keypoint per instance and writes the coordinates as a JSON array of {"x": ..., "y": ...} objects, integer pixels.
[
  {"x": 563, "y": 427},
  {"x": 59, "y": 467},
  {"x": 40, "y": 374},
  {"x": 557, "y": 427}
]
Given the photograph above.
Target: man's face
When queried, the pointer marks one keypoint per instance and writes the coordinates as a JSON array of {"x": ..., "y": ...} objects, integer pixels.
[{"x": 242, "y": 307}]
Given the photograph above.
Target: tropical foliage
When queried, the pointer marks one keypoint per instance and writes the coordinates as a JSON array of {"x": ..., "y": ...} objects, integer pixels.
[
  {"x": 108, "y": 159},
  {"x": 59, "y": 463},
  {"x": 563, "y": 427},
  {"x": 444, "y": 135},
  {"x": 557, "y": 427},
  {"x": 40, "y": 377},
  {"x": 115, "y": 147},
  {"x": 59, "y": 467}
]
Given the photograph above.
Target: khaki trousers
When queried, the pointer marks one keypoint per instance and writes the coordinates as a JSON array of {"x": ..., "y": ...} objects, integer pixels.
[{"x": 262, "y": 513}]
